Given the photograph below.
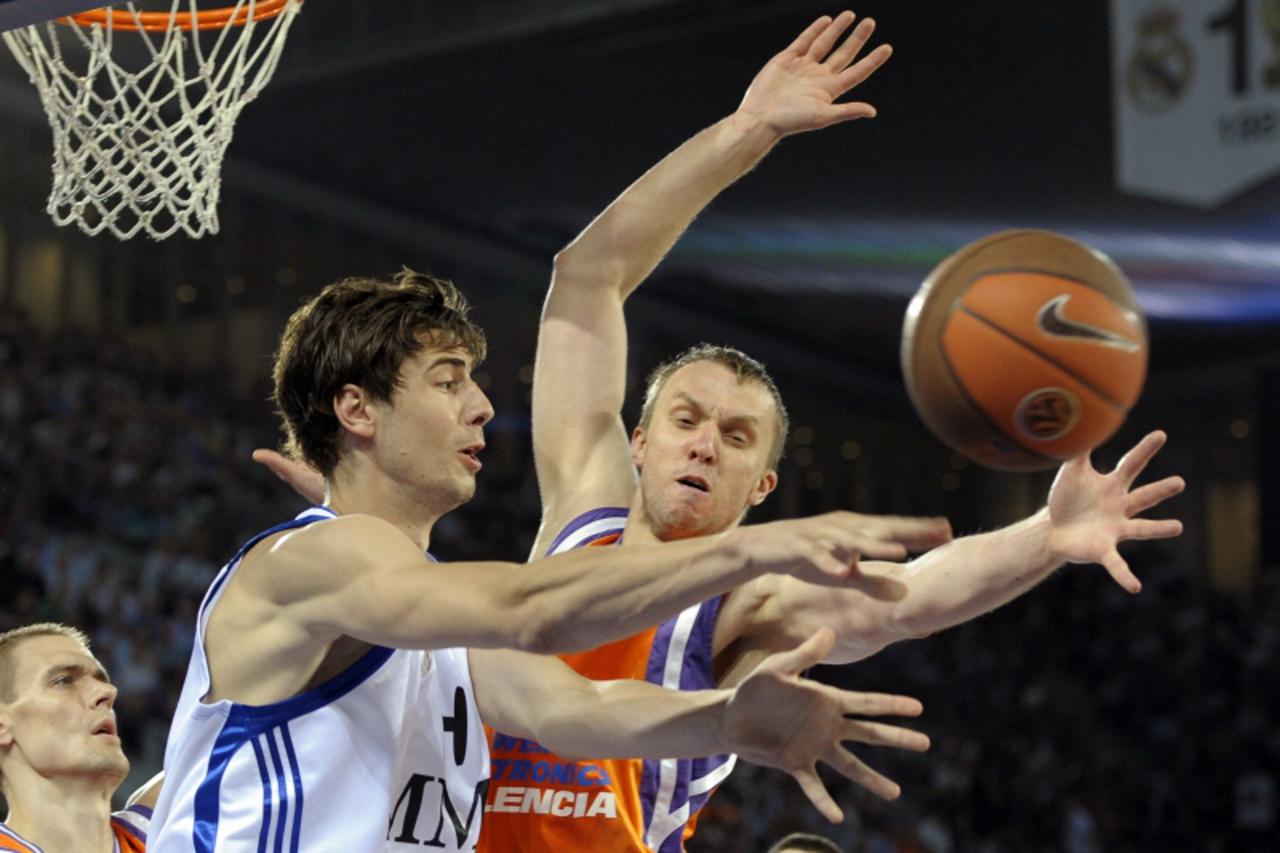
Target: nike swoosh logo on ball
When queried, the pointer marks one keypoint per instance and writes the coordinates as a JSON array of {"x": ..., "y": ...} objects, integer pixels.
[{"x": 1052, "y": 321}]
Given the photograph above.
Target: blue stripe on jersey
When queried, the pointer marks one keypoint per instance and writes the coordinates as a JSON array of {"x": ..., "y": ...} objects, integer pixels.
[
  {"x": 315, "y": 513},
  {"x": 297, "y": 784},
  {"x": 280, "y": 789},
  {"x": 266, "y": 796},
  {"x": 246, "y": 722}
]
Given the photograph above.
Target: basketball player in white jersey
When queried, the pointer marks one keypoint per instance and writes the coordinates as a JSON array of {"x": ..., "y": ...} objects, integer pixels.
[
  {"x": 330, "y": 702},
  {"x": 60, "y": 758}
]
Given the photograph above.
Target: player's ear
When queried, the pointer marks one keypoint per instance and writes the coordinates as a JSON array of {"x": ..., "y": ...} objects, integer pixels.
[
  {"x": 764, "y": 486},
  {"x": 353, "y": 409},
  {"x": 6, "y": 730},
  {"x": 638, "y": 444}
]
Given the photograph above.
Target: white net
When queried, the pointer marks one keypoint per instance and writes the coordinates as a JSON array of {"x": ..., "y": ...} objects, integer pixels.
[{"x": 141, "y": 120}]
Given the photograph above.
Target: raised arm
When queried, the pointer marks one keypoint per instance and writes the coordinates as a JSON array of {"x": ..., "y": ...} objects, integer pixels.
[
  {"x": 580, "y": 444},
  {"x": 1087, "y": 516},
  {"x": 774, "y": 718},
  {"x": 359, "y": 576}
]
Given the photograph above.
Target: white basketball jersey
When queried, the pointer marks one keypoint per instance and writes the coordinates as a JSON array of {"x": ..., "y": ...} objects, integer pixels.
[{"x": 388, "y": 755}]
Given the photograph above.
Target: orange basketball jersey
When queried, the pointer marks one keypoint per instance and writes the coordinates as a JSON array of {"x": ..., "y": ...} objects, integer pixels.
[
  {"x": 539, "y": 802},
  {"x": 130, "y": 837}
]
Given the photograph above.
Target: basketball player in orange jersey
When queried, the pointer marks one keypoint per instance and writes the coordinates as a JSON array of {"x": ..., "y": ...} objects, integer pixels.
[
  {"x": 706, "y": 448},
  {"x": 60, "y": 758}
]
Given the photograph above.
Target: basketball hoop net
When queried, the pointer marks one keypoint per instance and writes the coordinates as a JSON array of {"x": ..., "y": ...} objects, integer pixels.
[{"x": 143, "y": 113}]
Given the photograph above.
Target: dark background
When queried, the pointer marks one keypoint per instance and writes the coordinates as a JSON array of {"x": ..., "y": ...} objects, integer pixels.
[{"x": 473, "y": 140}]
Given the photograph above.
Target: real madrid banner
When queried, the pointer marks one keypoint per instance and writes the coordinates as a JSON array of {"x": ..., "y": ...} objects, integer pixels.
[{"x": 1196, "y": 92}]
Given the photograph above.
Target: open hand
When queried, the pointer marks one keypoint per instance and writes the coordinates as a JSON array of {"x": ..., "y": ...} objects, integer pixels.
[
  {"x": 778, "y": 719},
  {"x": 797, "y": 90},
  {"x": 1091, "y": 513}
]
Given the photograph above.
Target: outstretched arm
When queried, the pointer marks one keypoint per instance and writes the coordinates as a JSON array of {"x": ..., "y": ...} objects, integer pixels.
[
  {"x": 583, "y": 461},
  {"x": 360, "y": 576},
  {"x": 774, "y": 718},
  {"x": 1087, "y": 516}
]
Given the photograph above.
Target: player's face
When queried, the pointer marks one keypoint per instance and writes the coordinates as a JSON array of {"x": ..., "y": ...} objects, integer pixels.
[
  {"x": 704, "y": 458},
  {"x": 431, "y": 435},
  {"x": 61, "y": 723}
]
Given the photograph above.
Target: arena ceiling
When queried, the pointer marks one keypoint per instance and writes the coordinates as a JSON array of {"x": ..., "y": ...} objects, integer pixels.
[{"x": 511, "y": 122}]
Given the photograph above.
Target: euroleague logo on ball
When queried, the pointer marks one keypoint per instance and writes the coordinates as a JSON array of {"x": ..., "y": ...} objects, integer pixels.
[{"x": 1047, "y": 413}]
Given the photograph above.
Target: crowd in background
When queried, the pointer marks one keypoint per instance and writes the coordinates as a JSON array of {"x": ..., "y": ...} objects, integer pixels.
[{"x": 1077, "y": 719}]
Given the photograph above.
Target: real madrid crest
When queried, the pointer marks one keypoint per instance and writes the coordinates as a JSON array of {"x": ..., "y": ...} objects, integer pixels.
[
  {"x": 1161, "y": 64},
  {"x": 1270, "y": 13}
]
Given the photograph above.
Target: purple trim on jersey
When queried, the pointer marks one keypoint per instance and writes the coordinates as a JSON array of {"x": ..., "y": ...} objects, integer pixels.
[
  {"x": 5, "y": 830},
  {"x": 585, "y": 519},
  {"x": 696, "y": 673},
  {"x": 145, "y": 811},
  {"x": 130, "y": 828},
  {"x": 689, "y": 770}
]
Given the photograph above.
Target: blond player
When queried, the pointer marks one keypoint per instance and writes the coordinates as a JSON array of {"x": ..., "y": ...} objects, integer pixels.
[{"x": 60, "y": 756}]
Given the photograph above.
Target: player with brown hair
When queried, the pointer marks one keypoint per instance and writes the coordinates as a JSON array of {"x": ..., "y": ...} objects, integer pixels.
[{"x": 60, "y": 757}]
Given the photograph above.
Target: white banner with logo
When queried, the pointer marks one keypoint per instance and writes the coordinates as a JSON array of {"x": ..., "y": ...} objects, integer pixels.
[{"x": 1196, "y": 96}]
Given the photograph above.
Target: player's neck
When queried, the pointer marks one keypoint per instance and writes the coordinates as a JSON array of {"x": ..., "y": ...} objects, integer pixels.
[
  {"x": 366, "y": 493},
  {"x": 66, "y": 816},
  {"x": 640, "y": 528},
  {"x": 638, "y": 531}
]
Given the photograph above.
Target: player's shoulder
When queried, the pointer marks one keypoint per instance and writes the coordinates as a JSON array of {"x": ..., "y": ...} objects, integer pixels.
[
  {"x": 598, "y": 525},
  {"x": 341, "y": 538},
  {"x": 295, "y": 562}
]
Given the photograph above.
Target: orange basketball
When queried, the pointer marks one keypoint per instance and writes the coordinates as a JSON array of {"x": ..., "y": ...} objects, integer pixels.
[{"x": 1024, "y": 349}]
